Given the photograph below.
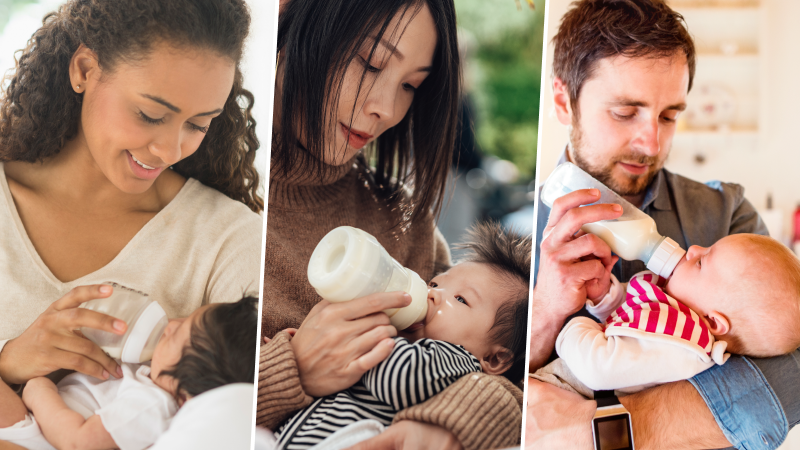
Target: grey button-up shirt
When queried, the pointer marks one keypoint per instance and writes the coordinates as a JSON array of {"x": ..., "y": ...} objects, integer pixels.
[
  {"x": 689, "y": 212},
  {"x": 754, "y": 401}
]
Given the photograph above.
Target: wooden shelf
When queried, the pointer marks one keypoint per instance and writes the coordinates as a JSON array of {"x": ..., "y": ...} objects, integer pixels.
[
  {"x": 714, "y": 132},
  {"x": 745, "y": 56},
  {"x": 714, "y": 4}
]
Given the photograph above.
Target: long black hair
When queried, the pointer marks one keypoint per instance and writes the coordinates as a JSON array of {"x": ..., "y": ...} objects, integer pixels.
[{"x": 317, "y": 42}]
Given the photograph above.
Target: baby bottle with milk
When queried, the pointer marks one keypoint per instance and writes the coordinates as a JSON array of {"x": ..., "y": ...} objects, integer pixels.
[
  {"x": 632, "y": 236},
  {"x": 146, "y": 323},
  {"x": 349, "y": 263}
]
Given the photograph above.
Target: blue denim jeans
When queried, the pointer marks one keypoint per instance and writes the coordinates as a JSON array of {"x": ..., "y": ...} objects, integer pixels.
[{"x": 754, "y": 401}]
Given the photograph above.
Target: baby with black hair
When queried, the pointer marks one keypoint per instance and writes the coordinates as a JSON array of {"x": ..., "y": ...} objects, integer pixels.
[
  {"x": 214, "y": 346},
  {"x": 476, "y": 322}
]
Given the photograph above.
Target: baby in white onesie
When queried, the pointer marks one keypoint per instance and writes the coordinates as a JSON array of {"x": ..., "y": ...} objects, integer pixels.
[
  {"x": 212, "y": 347},
  {"x": 742, "y": 295}
]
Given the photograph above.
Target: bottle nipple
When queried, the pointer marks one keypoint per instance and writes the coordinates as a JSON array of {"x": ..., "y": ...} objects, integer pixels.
[
  {"x": 665, "y": 258},
  {"x": 144, "y": 336}
]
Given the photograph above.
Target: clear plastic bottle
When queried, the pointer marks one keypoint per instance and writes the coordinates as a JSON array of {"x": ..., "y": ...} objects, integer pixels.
[
  {"x": 632, "y": 236},
  {"x": 349, "y": 263},
  {"x": 146, "y": 323}
]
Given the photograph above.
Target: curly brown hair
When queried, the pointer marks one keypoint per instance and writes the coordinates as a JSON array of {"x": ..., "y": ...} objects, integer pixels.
[{"x": 40, "y": 110}]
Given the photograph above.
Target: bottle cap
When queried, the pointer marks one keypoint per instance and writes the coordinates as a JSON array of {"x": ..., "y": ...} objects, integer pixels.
[
  {"x": 665, "y": 258},
  {"x": 141, "y": 331}
]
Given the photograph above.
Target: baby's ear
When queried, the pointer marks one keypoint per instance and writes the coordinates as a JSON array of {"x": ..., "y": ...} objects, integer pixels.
[
  {"x": 718, "y": 324},
  {"x": 498, "y": 360}
]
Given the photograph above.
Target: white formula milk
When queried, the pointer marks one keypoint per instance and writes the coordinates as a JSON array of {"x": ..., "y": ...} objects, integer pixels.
[{"x": 633, "y": 236}]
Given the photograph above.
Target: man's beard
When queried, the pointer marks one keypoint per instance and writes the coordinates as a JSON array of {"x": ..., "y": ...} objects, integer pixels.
[{"x": 631, "y": 185}]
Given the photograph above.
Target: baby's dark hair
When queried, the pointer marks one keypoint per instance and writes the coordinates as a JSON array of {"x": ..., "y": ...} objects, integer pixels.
[
  {"x": 509, "y": 254},
  {"x": 221, "y": 350}
]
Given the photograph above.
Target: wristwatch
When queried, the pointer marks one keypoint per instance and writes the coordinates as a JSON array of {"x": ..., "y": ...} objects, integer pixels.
[{"x": 611, "y": 425}]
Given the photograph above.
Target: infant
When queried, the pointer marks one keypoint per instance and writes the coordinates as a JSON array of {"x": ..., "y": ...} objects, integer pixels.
[
  {"x": 212, "y": 347},
  {"x": 742, "y": 295},
  {"x": 476, "y": 322}
]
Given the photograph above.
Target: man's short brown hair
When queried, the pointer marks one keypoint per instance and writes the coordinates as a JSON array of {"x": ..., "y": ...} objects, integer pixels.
[{"x": 595, "y": 29}]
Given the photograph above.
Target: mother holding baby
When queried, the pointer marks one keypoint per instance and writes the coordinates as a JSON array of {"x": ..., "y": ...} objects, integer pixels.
[
  {"x": 126, "y": 156},
  {"x": 383, "y": 76}
]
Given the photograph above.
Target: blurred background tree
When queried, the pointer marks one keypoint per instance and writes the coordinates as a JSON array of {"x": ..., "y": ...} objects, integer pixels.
[
  {"x": 503, "y": 74},
  {"x": 501, "y": 46}
]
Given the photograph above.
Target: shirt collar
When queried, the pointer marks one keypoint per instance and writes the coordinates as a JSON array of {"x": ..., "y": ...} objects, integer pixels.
[{"x": 657, "y": 192}]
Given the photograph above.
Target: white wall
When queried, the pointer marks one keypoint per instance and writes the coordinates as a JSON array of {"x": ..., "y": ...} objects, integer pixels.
[
  {"x": 766, "y": 161},
  {"x": 258, "y": 67}
]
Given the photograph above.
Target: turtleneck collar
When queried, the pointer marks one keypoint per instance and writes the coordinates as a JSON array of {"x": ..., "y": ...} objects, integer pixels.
[{"x": 302, "y": 190}]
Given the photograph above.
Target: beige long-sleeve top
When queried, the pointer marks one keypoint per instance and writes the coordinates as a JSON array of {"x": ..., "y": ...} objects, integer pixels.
[{"x": 203, "y": 247}]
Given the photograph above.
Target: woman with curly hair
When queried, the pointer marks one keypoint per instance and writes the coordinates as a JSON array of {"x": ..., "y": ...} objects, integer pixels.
[
  {"x": 126, "y": 156},
  {"x": 365, "y": 120}
]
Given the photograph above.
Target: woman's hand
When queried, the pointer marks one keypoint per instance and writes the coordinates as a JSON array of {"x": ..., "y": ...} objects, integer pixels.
[
  {"x": 408, "y": 435},
  {"x": 51, "y": 342},
  {"x": 338, "y": 342}
]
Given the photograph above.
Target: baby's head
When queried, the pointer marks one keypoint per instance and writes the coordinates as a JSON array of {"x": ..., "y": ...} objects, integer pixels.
[
  {"x": 481, "y": 303},
  {"x": 214, "y": 346},
  {"x": 748, "y": 288}
]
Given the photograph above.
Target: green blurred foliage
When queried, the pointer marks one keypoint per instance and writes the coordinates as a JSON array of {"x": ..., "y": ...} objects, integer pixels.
[{"x": 506, "y": 76}]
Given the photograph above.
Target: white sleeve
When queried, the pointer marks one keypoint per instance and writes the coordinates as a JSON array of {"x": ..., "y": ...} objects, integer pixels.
[
  {"x": 140, "y": 412},
  {"x": 619, "y": 362},
  {"x": 608, "y": 304}
]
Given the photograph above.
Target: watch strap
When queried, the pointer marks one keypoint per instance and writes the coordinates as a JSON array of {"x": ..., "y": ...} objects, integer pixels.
[{"x": 606, "y": 398}]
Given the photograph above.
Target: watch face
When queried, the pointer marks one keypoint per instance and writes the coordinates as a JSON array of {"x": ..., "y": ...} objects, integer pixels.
[{"x": 613, "y": 432}]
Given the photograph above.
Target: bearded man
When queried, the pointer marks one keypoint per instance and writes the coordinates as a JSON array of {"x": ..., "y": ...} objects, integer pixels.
[{"x": 621, "y": 73}]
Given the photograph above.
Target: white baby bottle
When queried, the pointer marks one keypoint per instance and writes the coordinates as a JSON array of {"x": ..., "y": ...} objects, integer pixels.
[
  {"x": 146, "y": 323},
  {"x": 349, "y": 263},
  {"x": 632, "y": 236}
]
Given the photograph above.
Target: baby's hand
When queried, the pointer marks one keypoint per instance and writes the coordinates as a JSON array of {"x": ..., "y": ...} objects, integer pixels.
[
  {"x": 291, "y": 332},
  {"x": 35, "y": 388}
]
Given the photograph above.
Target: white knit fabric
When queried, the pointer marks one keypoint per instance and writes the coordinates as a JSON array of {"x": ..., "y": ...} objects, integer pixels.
[{"x": 202, "y": 247}]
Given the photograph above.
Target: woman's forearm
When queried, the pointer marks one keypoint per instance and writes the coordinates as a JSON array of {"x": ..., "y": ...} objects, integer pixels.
[
  {"x": 482, "y": 411},
  {"x": 13, "y": 410},
  {"x": 279, "y": 391}
]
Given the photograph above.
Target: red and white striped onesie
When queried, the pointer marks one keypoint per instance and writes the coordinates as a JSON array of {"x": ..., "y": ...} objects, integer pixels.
[{"x": 649, "y": 338}]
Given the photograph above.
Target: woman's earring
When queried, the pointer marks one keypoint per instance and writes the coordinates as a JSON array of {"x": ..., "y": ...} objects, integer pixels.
[{"x": 78, "y": 88}]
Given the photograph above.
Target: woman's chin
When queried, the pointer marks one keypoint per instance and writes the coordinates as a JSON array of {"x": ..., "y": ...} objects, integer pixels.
[
  {"x": 132, "y": 185},
  {"x": 341, "y": 157}
]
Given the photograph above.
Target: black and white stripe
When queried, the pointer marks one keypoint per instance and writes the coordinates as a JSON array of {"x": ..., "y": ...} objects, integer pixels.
[{"x": 413, "y": 373}]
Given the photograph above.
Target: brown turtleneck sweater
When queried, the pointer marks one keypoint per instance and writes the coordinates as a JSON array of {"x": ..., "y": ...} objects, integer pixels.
[{"x": 482, "y": 411}]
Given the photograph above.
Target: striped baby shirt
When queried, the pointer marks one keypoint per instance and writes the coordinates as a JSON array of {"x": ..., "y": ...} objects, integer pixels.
[
  {"x": 411, "y": 374},
  {"x": 649, "y": 312},
  {"x": 646, "y": 338}
]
